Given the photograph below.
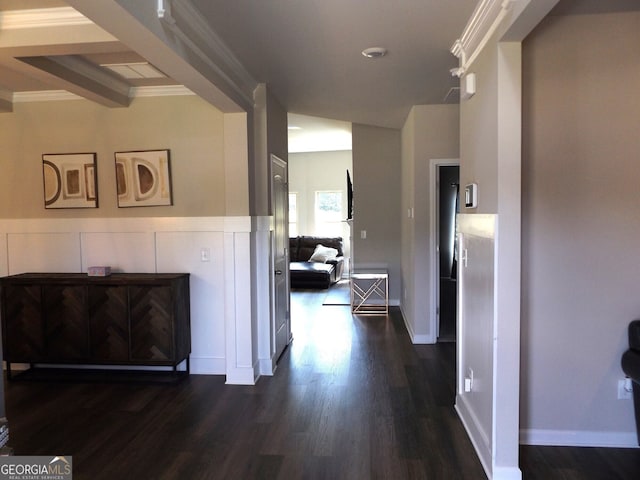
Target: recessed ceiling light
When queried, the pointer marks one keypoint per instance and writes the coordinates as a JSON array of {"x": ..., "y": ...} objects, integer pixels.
[
  {"x": 293, "y": 127},
  {"x": 374, "y": 52}
]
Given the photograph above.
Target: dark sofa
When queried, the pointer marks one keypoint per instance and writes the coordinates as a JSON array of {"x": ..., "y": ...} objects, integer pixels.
[
  {"x": 631, "y": 368},
  {"x": 306, "y": 274}
]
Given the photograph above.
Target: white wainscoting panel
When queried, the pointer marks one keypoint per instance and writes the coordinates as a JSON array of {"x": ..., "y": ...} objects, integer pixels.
[
  {"x": 180, "y": 252},
  {"x": 43, "y": 252},
  {"x": 261, "y": 239},
  {"x": 122, "y": 251},
  {"x": 224, "y": 330},
  {"x": 238, "y": 302}
]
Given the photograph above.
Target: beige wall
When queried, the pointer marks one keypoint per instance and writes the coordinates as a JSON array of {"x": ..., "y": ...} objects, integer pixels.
[
  {"x": 580, "y": 224},
  {"x": 188, "y": 126},
  {"x": 376, "y": 207}
]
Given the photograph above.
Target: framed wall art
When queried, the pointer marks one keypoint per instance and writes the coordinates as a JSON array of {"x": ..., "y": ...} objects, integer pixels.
[
  {"x": 70, "y": 180},
  {"x": 143, "y": 178}
]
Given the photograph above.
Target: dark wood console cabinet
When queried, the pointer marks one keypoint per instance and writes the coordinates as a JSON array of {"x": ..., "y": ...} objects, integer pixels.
[{"x": 121, "y": 319}]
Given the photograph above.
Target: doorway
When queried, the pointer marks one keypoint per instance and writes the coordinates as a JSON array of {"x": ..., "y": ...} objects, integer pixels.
[
  {"x": 447, "y": 194},
  {"x": 280, "y": 246}
]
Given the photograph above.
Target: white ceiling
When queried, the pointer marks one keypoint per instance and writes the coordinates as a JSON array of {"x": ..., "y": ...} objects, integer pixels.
[{"x": 316, "y": 134}]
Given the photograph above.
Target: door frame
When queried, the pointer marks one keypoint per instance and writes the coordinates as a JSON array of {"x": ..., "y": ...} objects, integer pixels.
[{"x": 434, "y": 254}]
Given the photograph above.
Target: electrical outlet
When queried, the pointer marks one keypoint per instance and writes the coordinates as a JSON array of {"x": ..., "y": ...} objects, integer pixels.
[
  {"x": 205, "y": 254},
  {"x": 624, "y": 389}
]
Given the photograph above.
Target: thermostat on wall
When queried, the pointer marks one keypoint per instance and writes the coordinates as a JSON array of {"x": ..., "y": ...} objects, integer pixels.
[{"x": 471, "y": 195}]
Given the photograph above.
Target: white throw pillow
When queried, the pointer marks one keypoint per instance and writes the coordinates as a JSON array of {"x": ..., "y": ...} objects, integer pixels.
[{"x": 321, "y": 254}]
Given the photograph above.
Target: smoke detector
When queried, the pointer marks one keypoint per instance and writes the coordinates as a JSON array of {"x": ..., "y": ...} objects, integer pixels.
[{"x": 374, "y": 52}]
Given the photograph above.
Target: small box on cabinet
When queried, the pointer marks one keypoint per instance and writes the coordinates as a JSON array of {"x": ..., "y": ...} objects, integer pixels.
[{"x": 99, "y": 271}]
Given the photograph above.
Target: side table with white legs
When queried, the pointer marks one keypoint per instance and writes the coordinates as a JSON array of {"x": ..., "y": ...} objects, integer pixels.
[{"x": 370, "y": 293}]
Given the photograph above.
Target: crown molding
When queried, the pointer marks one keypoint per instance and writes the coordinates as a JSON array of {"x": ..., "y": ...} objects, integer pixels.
[
  {"x": 44, "y": 96},
  {"x": 135, "y": 92},
  {"x": 161, "y": 91},
  {"x": 188, "y": 24},
  {"x": 42, "y": 17},
  {"x": 483, "y": 23}
]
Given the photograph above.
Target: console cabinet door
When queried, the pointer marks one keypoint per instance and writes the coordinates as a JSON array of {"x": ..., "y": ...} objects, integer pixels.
[
  {"x": 151, "y": 317},
  {"x": 66, "y": 328},
  {"x": 109, "y": 323},
  {"x": 24, "y": 328}
]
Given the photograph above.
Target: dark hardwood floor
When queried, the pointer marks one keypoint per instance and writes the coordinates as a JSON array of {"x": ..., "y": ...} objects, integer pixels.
[{"x": 352, "y": 399}]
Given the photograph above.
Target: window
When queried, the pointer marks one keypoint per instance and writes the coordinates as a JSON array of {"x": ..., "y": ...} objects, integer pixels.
[
  {"x": 328, "y": 213},
  {"x": 293, "y": 214}
]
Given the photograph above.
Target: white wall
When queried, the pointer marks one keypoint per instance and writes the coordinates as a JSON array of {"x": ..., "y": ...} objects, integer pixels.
[
  {"x": 580, "y": 227},
  {"x": 476, "y": 345}
]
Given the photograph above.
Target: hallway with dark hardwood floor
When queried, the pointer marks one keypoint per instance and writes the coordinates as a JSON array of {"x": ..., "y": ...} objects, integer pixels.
[{"x": 352, "y": 399}]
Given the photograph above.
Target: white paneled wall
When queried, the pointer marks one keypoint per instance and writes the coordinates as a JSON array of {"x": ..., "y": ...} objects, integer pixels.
[
  {"x": 122, "y": 251},
  {"x": 181, "y": 252},
  {"x": 157, "y": 245},
  {"x": 43, "y": 252}
]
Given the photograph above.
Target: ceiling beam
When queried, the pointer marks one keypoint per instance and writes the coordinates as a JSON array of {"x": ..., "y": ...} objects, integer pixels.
[
  {"x": 138, "y": 25},
  {"x": 83, "y": 78}
]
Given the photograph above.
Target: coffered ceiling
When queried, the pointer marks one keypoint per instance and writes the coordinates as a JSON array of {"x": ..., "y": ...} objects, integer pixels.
[{"x": 46, "y": 46}]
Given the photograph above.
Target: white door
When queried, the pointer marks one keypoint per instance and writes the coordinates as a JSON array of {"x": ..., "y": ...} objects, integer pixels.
[{"x": 280, "y": 247}]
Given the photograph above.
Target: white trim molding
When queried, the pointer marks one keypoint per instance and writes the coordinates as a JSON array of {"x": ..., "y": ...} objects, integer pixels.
[
  {"x": 188, "y": 24},
  {"x": 484, "y": 22},
  {"x": 134, "y": 92},
  {"x": 578, "y": 438}
]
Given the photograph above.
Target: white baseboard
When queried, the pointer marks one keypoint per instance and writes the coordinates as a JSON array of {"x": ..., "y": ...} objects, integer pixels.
[
  {"x": 476, "y": 433},
  {"x": 207, "y": 365},
  {"x": 506, "y": 473},
  {"x": 422, "y": 339},
  {"x": 266, "y": 367},
  {"x": 578, "y": 438},
  {"x": 198, "y": 366},
  {"x": 241, "y": 376},
  {"x": 416, "y": 339}
]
